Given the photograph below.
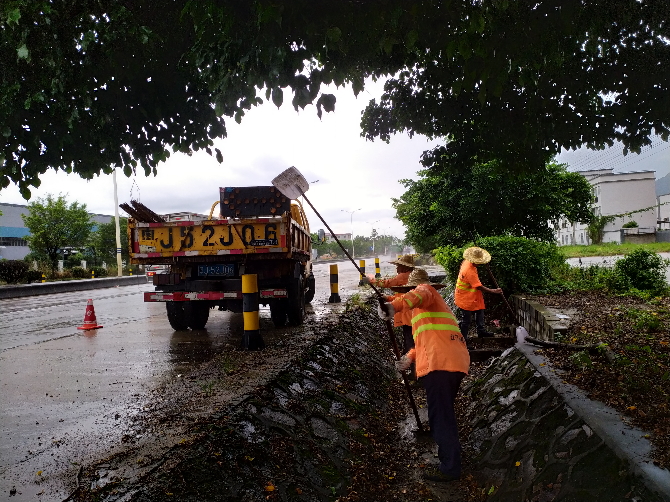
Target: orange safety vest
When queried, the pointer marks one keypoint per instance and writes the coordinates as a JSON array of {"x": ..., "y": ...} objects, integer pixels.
[
  {"x": 466, "y": 295},
  {"x": 399, "y": 280},
  {"x": 439, "y": 344}
]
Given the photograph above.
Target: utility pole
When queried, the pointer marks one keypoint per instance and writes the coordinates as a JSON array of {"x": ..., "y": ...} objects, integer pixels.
[{"x": 119, "y": 266}]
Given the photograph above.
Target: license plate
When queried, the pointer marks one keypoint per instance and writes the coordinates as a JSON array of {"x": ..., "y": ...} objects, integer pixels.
[
  {"x": 216, "y": 270},
  {"x": 264, "y": 242}
]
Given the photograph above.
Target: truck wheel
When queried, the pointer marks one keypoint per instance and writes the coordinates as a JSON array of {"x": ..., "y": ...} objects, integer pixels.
[
  {"x": 296, "y": 303},
  {"x": 278, "y": 313},
  {"x": 310, "y": 288},
  {"x": 197, "y": 314},
  {"x": 176, "y": 315}
]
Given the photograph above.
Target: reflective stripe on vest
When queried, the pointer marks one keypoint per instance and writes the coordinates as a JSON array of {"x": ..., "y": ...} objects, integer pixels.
[
  {"x": 436, "y": 321},
  {"x": 441, "y": 315},
  {"x": 418, "y": 302},
  {"x": 464, "y": 286}
]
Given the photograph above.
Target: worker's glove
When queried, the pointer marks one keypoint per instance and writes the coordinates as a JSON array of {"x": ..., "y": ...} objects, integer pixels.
[
  {"x": 403, "y": 363},
  {"x": 387, "y": 312}
]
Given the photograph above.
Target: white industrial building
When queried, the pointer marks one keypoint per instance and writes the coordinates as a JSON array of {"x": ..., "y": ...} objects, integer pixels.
[{"x": 617, "y": 194}]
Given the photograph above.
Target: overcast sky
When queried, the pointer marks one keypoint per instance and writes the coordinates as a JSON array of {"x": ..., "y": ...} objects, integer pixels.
[{"x": 352, "y": 173}]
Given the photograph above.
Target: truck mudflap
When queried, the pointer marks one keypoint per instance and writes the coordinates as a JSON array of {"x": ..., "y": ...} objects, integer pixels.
[{"x": 185, "y": 296}]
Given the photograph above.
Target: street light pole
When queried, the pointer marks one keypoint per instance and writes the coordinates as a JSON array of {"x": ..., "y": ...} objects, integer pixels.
[
  {"x": 372, "y": 236},
  {"x": 351, "y": 213},
  {"x": 119, "y": 267}
]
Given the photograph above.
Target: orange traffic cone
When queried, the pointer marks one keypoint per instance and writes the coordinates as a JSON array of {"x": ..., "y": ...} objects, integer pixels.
[{"x": 89, "y": 319}]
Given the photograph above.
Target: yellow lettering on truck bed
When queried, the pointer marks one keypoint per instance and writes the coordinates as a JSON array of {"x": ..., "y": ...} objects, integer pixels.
[{"x": 215, "y": 237}]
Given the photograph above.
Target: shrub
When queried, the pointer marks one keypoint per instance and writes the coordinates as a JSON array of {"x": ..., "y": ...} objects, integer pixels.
[
  {"x": 99, "y": 271},
  {"x": 80, "y": 273},
  {"x": 518, "y": 264},
  {"x": 13, "y": 271},
  {"x": 32, "y": 276},
  {"x": 630, "y": 224},
  {"x": 643, "y": 270},
  {"x": 593, "y": 277}
]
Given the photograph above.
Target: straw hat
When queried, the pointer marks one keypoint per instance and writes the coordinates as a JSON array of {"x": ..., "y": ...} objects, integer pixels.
[
  {"x": 405, "y": 260},
  {"x": 418, "y": 276},
  {"x": 476, "y": 255}
]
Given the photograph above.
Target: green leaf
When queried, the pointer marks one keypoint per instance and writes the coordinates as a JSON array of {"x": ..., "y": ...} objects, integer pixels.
[
  {"x": 6, "y": 131},
  {"x": 411, "y": 39},
  {"x": 277, "y": 96},
  {"x": 219, "y": 156},
  {"x": 22, "y": 52},
  {"x": 13, "y": 16},
  {"x": 218, "y": 108},
  {"x": 334, "y": 34}
]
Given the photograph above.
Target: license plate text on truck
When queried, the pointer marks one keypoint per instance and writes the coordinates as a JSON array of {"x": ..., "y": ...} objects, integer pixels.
[{"x": 215, "y": 237}]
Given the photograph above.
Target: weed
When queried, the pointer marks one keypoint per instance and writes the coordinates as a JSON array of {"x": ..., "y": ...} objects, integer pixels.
[
  {"x": 228, "y": 364},
  {"x": 356, "y": 302},
  {"x": 644, "y": 320},
  {"x": 581, "y": 360},
  {"x": 207, "y": 387}
]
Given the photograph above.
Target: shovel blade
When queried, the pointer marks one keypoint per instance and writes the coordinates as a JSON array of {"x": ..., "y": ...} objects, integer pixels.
[{"x": 291, "y": 183}]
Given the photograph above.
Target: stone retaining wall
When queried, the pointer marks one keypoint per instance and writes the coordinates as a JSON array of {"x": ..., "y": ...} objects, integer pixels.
[
  {"x": 529, "y": 444},
  {"x": 539, "y": 321}
]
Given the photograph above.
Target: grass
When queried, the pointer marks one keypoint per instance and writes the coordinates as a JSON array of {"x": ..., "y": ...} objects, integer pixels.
[{"x": 610, "y": 249}]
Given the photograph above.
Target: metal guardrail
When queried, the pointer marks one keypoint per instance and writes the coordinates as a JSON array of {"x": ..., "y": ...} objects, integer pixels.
[{"x": 48, "y": 288}]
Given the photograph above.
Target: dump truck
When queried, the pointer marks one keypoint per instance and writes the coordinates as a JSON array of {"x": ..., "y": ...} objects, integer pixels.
[{"x": 258, "y": 231}]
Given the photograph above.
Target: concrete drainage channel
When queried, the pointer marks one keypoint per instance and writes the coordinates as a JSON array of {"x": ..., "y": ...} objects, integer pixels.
[{"x": 535, "y": 438}]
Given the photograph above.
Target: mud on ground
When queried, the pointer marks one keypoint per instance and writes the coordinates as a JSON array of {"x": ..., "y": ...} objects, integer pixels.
[{"x": 319, "y": 415}]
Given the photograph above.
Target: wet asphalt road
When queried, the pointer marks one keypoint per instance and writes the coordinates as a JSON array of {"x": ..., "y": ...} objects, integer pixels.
[{"x": 63, "y": 391}]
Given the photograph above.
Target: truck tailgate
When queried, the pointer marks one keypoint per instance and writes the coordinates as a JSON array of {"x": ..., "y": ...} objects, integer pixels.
[{"x": 210, "y": 237}]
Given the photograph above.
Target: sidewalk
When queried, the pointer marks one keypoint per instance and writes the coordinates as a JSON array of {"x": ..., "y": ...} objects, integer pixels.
[{"x": 48, "y": 288}]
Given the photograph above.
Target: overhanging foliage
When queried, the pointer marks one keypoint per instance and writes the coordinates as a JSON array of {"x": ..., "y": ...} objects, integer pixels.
[{"x": 86, "y": 86}]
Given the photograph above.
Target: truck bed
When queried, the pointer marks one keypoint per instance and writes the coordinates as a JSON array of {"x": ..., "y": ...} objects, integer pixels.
[{"x": 165, "y": 242}]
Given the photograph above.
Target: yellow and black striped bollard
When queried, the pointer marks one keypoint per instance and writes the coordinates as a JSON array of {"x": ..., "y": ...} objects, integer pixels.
[
  {"x": 361, "y": 265},
  {"x": 252, "y": 339},
  {"x": 44, "y": 279},
  {"x": 378, "y": 273},
  {"x": 92, "y": 274},
  {"x": 334, "y": 285}
]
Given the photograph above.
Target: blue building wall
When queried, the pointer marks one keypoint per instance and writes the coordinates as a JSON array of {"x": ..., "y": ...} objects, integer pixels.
[{"x": 13, "y": 245}]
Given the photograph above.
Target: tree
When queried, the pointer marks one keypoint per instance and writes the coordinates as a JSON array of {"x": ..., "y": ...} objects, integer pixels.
[
  {"x": 445, "y": 207},
  {"x": 89, "y": 86},
  {"x": 54, "y": 225},
  {"x": 103, "y": 241},
  {"x": 519, "y": 81}
]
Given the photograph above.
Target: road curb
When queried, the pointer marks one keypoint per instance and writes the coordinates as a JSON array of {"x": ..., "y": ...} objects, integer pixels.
[{"x": 47, "y": 288}]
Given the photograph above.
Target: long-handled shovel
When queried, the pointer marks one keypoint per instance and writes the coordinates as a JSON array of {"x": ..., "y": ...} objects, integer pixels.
[{"x": 293, "y": 184}]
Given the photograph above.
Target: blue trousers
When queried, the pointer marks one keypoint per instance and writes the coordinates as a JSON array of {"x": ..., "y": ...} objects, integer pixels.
[
  {"x": 466, "y": 321},
  {"x": 441, "y": 389}
]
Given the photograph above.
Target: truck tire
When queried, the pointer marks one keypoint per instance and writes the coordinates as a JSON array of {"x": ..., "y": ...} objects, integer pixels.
[
  {"x": 278, "y": 312},
  {"x": 197, "y": 314},
  {"x": 176, "y": 315},
  {"x": 310, "y": 288},
  {"x": 296, "y": 302}
]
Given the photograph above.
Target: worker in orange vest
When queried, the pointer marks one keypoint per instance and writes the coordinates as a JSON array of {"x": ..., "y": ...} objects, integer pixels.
[
  {"x": 442, "y": 360},
  {"x": 404, "y": 265},
  {"x": 468, "y": 295}
]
